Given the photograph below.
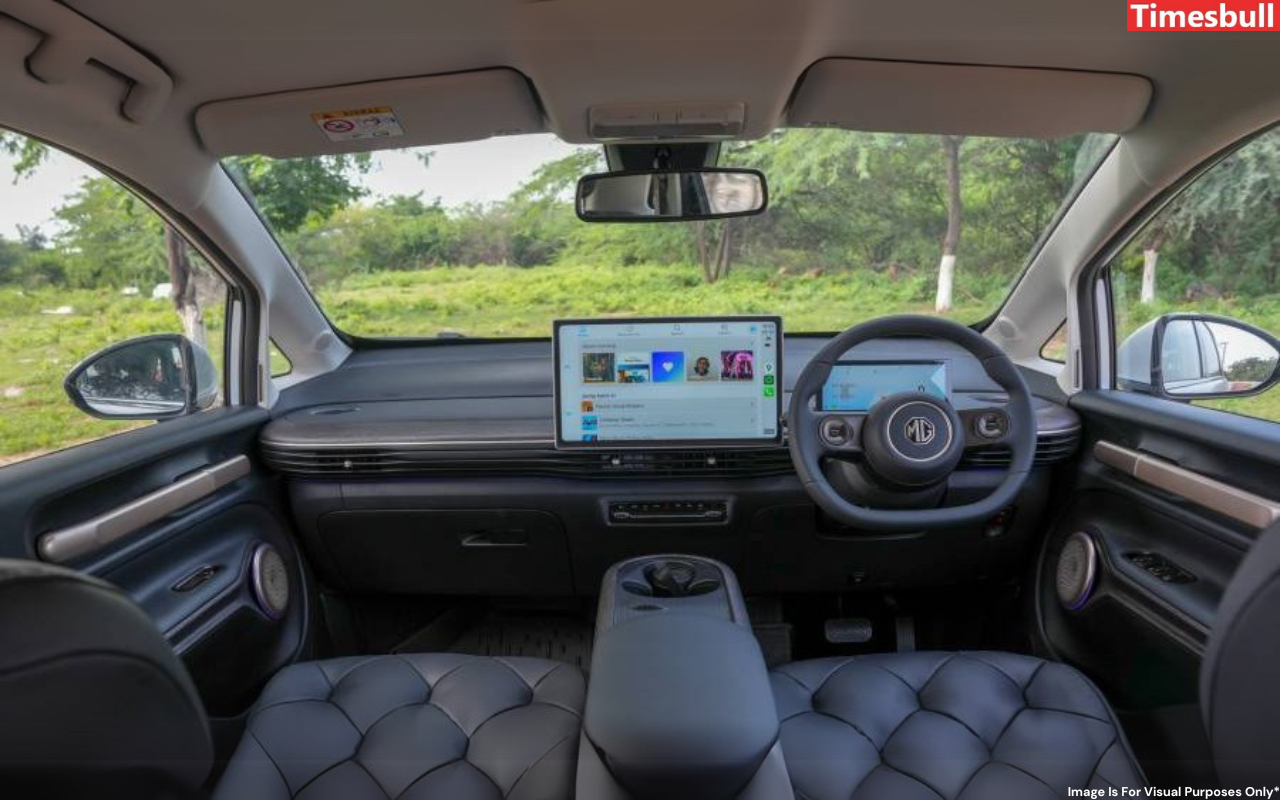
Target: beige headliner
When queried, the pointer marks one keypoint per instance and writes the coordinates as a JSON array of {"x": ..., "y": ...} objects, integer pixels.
[{"x": 1209, "y": 88}]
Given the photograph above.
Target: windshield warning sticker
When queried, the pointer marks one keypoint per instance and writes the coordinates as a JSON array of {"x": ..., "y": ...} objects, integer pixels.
[{"x": 358, "y": 123}]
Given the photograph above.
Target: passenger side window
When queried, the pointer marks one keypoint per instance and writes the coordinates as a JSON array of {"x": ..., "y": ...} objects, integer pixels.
[
  {"x": 1197, "y": 291},
  {"x": 86, "y": 265}
]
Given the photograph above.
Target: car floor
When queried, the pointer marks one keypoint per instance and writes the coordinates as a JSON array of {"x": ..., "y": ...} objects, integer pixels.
[{"x": 789, "y": 628}]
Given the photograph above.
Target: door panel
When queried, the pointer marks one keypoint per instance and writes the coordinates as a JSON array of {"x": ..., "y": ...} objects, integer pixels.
[
  {"x": 1164, "y": 560},
  {"x": 191, "y": 570},
  {"x": 1163, "y": 563}
]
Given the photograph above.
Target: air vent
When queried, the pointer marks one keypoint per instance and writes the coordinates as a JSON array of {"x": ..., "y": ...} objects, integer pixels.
[
  {"x": 1051, "y": 448},
  {"x": 748, "y": 463}
]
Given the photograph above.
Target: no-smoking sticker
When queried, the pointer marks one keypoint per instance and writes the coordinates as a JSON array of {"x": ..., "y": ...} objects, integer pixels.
[{"x": 358, "y": 123}]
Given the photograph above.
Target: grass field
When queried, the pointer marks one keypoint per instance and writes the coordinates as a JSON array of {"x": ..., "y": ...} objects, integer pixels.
[
  {"x": 509, "y": 301},
  {"x": 38, "y": 349}
]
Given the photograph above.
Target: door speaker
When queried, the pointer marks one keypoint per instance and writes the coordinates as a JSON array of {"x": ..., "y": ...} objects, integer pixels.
[
  {"x": 269, "y": 578},
  {"x": 1077, "y": 570}
]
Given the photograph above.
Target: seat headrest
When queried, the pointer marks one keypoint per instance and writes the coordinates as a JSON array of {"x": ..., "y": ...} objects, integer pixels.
[{"x": 94, "y": 701}]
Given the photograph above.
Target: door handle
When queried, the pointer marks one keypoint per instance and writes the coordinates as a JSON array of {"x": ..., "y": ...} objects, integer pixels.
[
  {"x": 94, "y": 534},
  {"x": 513, "y": 538}
]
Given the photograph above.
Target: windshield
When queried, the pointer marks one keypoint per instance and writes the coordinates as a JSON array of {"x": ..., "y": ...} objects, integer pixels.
[{"x": 480, "y": 239}]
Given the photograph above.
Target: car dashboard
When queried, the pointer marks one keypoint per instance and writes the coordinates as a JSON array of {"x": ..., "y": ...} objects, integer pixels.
[{"x": 434, "y": 469}]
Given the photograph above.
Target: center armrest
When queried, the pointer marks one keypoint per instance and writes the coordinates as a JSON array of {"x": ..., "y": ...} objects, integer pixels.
[{"x": 679, "y": 704}]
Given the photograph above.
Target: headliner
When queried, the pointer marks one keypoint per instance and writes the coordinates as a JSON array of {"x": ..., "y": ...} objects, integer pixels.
[{"x": 578, "y": 53}]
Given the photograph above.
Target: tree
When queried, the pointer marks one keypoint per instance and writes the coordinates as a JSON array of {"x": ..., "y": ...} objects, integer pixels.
[
  {"x": 715, "y": 248},
  {"x": 1151, "y": 244},
  {"x": 1221, "y": 230},
  {"x": 109, "y": 236},
  {"x": 27, "y": 153},
  {"x": 947, "y": 267},
  {"x": 288, "y": 192}
]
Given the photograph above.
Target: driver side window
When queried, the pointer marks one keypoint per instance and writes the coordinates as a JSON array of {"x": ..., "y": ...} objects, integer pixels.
[
  {"x": 86, "y": 265},
  {"x": 1210, "y": 257}
]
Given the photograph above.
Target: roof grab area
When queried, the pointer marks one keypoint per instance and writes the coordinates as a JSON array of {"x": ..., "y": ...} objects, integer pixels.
[{"x": 70, "y": 42}]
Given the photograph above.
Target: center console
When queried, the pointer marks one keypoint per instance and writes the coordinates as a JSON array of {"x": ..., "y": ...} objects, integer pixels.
[{"x": 679, "y": 703}]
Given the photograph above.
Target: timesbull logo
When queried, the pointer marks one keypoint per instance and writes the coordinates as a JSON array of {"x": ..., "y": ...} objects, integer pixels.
[{"x": 1201, "y": 15}]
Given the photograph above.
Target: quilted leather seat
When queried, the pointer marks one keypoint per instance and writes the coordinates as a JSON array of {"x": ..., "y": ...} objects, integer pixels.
[
  {"x": 960, "y": 726},
  {"x": 413, "y": 727}
]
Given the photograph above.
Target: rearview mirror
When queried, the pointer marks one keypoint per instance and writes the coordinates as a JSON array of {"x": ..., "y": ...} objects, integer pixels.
[
  {"x": 1199, "y": 357},
  {"x": 671, "y": 195},
  {"x": 151, "y": 377}
]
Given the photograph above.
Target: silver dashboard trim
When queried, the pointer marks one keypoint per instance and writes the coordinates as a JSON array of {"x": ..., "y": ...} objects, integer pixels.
[
  {"x": 93, "y": 534},
  {"x": 1238, "y": 504}
]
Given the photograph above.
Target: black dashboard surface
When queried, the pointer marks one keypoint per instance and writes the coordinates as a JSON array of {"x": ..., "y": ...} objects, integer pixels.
[
  {"x": 465, "y": 371},
  {"x": 495, "y": 394}
]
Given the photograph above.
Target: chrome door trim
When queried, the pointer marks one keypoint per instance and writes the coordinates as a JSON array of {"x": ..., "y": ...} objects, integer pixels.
[
  {"x": 1238, "y": 504},
  {"x": 93, "y": 534}
]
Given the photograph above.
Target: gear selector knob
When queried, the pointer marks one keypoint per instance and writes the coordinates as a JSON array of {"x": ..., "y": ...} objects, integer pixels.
[{"x": 670, "y": 578}]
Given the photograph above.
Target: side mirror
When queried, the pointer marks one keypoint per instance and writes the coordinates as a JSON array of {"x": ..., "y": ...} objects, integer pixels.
[
  {"x": 1198, "y": 357},
  {"x": 151, "y": 377},
  {"x": 671, "y": 195}
]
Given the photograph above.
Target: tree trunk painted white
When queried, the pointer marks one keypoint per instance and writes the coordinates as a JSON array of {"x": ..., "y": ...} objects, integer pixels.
[
  {"x": 951, "y": 243},
  {"x": 946, "y": 278},
  {"x": 193, "y": 324},
  {"x": 186, "y": 295},
  {"x": 1149, "y": 258}
]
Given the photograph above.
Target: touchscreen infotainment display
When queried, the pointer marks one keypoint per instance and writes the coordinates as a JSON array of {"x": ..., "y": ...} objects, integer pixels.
[
  {"x": 668, "y": 381},
  {"x": 857, "y": 386}
]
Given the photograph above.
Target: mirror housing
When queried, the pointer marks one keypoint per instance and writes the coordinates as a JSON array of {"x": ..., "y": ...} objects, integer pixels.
[
  {"x": 1198, "y": 357},
  {"x": 150, "y": 377},
  {"x": 671, "y": 195}
]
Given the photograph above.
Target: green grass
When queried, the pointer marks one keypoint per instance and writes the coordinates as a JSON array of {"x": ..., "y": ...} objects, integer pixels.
[
  {"x": 37, "y": 350},
  {"x": 509, "y": 301}
]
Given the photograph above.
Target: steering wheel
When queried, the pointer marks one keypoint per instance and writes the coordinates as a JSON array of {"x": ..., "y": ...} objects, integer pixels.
[{"x": 908, "y": 444}]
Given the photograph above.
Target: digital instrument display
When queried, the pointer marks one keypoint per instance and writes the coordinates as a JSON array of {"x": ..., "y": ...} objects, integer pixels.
[
  {"x": 856, "y": 386},
  {"x": 668, "y": 381}
]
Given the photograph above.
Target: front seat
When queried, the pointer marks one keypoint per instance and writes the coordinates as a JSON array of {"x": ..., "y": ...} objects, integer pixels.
[
  {"x": 970, "y": 726},
  {"x": 94, "y": 703},
  {"x": 961, "y": 726},
  {"x": 413, "y": 727}
]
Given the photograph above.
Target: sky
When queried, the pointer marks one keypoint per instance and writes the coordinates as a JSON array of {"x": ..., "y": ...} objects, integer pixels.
[{"x": 459, "y": 173}]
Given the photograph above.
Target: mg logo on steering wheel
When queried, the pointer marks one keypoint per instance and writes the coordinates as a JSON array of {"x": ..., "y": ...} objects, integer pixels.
[{"x": 920, "y": 430}]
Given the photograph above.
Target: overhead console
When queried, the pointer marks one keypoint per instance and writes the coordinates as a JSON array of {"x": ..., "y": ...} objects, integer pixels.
[{"x": 679, "y": 704}]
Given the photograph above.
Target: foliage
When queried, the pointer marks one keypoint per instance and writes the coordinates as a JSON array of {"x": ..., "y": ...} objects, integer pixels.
[
  {"x": 1219, "y": 237},
  {"x": 26, "y": 153},
  {"x": 292, "y": 191},
  {"x": 110, "y": 237}
]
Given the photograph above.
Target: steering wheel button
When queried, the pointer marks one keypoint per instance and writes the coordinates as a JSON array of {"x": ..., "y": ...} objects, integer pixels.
[
  {"x": 835, "y": 431},
  {"x": 991, "y": 425}
]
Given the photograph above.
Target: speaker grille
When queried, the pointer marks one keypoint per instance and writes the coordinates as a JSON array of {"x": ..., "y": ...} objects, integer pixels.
[
  {"x": 1077, "y": 570},
  {"x": 270, "y": 579}
]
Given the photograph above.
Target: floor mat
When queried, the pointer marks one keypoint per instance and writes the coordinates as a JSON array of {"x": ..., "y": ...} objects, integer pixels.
[{"x": 559, "y": 638}]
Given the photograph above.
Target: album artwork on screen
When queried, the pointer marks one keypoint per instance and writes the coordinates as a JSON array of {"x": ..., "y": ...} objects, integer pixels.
[{"x": 657, "y": 382}]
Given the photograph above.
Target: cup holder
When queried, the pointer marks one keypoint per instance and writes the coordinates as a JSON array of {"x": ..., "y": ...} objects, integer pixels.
[
  {"x": 673, "y": 579},
  {"x": 703, "y": 586},
  {"x": 637, "y": 588}
]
